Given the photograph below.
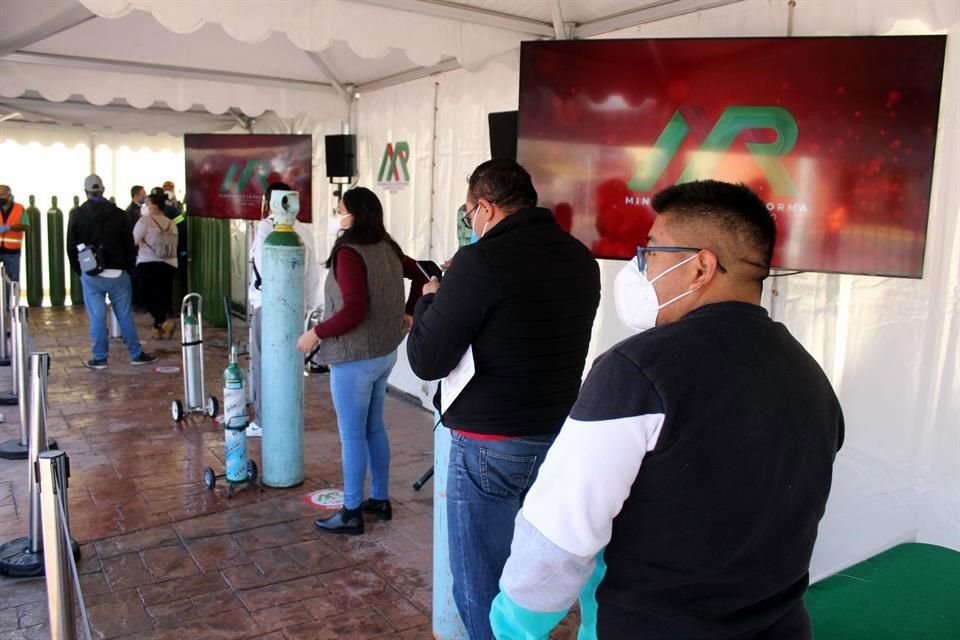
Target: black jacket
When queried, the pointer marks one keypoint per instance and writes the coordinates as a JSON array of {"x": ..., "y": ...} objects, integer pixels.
[
  {"x": 133, "y": 214},
  {"x": 715, "y": 538},
  {"x": 525, "y": 297},
  {"x": 101, "y": 223}
]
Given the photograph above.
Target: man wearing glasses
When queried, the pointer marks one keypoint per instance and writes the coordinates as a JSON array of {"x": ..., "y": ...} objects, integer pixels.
[
  {"x": 682, "y": 497},
  {"x": 522, "y": 300}
]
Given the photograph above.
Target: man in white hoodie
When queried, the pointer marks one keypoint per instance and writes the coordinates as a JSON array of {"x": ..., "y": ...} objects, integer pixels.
[{"x": 311, "y": 292}]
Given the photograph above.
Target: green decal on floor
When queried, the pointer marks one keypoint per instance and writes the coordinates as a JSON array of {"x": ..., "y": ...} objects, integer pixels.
[
  {"x": 325, "y": 499},
  {"x": 167, "y": 369}
]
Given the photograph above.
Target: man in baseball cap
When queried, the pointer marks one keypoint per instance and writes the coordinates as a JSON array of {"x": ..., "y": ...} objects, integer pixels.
[{"x": 100, "y": 226}]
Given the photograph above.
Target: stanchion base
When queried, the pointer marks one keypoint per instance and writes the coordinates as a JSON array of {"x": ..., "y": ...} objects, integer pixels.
[
  {"x": 4, "y": 362},
  {"x": 17, "y": 561},
  {"x": 13, "y": 450},
  {"x": 8, "y": 399}
]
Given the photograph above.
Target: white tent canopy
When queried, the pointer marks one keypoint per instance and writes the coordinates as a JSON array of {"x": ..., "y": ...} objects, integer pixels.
[
  {"x": 293, "y": 57},
  {"x": 428, "y": 71}
]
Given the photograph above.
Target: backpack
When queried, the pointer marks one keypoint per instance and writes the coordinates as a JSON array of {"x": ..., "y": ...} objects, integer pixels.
[{"x": 166, "y": 242}]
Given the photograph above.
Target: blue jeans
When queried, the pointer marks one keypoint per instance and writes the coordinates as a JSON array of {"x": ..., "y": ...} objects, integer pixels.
[
  {"x": 486, "y": 484},
  {"x": 95, "y": 288},
  {"x": 358, "y": 389},
  {"x": 11, "y": 264}
]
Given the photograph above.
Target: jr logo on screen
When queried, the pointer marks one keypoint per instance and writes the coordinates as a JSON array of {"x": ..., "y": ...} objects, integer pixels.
[
  {"x": 394, "y": 161},
  {"x": 252, "y": 170},
  {"x": 734, "y": 121}
]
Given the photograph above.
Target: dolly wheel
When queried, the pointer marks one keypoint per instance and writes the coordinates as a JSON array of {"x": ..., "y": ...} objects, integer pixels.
[
  {"x": 209, "y": 478},
  {"x": 176, "y": 409},
  {"x": 251, "y": 471},
  {"x": 213, "y": 407}
]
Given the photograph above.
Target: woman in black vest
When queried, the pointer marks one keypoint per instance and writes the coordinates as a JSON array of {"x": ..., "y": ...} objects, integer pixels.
[{"x": 364, "y": 322}]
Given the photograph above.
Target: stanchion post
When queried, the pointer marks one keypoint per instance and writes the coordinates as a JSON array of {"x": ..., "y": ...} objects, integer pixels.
[
  {"x": 52, "y": 469},
  {"x": 113, "y": 323},
  {"x": 13, "y": 295},
  {"x": 15, "y": 361},
  {"x": 23, "y": 557},
  {"x": 39, "y": 363},
  {"x": 13, "y": 449},
  {"x": 4, "y": 345}
]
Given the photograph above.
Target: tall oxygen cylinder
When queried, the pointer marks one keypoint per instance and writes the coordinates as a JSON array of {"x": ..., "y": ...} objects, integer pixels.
[
  {"x": 281, "y": 365},
  {"x": 55, "y": 254},
  {"x": 190, "y": 311},
  {"x": 76, "y": 288},
  {"x": 234, "y": 419},
  {"x": 34, "y": 256}
]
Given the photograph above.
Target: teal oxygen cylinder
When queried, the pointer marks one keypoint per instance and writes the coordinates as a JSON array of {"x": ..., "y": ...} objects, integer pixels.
[
  {"x": 281, "y": 365},
  {"x": 235, "y": 419}
]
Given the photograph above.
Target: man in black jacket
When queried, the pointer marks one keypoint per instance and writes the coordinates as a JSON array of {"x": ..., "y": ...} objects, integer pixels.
[
  {"x": 517, "y": 307},
  {"x": 101, "y": 226},
  {"x": 138, "y": 195}
]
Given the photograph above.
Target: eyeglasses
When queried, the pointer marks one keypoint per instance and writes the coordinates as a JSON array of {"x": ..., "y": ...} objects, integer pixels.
[
  {"x": 642, "y": 253},
  {"x": 466, "y": 219}
]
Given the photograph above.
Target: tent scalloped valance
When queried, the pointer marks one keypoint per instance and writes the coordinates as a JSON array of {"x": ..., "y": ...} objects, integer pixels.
[
  {"x": 99, "y": 87},
  {"x": 311, "y": 26}
]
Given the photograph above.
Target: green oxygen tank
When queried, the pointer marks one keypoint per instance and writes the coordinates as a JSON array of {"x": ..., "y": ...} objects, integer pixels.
[
  {"x": 55, "y": 254},
  {"x": 76, "y": 288},
  {"x": 34, "y": 256}
]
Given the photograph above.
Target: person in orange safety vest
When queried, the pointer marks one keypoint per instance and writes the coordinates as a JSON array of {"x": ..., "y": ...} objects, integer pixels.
[{"x": 14, "y": 223}]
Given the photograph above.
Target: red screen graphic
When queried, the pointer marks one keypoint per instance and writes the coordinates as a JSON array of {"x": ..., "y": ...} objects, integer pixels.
[
  {"x": 227, "y": 174},
  {"x": 836, "y": 135}
]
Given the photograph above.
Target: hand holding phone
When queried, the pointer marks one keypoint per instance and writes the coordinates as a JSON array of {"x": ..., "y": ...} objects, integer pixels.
[{"x": 430, "y": 269}]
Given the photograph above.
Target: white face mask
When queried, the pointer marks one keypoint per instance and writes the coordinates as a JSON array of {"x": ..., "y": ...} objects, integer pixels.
[
  {"x": 636, "y": 299},
  {"x": 333, "y": 227},
  {"x": 144, "y": 209}
]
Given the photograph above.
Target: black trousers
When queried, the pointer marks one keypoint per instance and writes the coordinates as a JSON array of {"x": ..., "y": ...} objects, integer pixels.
[{"x": 155, "y": 280}]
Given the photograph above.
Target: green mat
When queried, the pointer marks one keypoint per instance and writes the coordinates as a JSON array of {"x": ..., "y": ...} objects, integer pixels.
[{"x": 909, "y": 592}]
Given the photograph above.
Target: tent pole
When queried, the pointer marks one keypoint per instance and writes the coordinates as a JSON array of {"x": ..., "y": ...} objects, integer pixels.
[{"x": 433, "y": 167}]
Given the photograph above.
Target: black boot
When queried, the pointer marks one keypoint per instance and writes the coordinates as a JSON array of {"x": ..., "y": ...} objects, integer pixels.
[
  {"x": 379, "y": 508},
  {"x": 348, "y": 521}
]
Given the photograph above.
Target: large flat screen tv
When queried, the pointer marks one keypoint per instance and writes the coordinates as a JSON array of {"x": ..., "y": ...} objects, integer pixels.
[
  {"x": 227, "y": 174},
  {"x": 836, "y": 135}
]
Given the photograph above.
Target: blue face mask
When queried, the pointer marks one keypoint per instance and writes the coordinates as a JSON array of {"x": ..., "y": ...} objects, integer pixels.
[{"x": 473, "y": 236}]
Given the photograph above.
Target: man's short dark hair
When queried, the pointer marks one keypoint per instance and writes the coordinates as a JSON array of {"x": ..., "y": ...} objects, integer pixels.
[
  {"x": 504, "y": 183},
  {"x": 732, "y": 209},
  {"x": 135, "y": 189}
]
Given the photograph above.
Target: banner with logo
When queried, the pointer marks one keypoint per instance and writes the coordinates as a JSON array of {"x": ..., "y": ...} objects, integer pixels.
[
  {"x": 393, "y": 174},
  {"x": 228, "y": 174},
  {"x": 835, "y": 134}
]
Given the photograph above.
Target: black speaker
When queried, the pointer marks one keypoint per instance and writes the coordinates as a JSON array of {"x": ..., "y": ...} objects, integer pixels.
[
  {"x": 503, "y": 134},
  {"x": 341, "y": 153}
]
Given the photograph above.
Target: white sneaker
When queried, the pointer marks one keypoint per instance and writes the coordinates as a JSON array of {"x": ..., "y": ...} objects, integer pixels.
[{"x": 254, "y": 430}]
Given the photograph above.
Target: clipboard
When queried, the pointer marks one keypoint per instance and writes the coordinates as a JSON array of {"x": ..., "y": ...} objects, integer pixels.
[{"x": 457, "y": 380}]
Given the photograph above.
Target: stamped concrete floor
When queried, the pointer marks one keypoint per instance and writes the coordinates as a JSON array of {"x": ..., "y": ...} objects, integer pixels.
[{"x": 163, "y": 557}]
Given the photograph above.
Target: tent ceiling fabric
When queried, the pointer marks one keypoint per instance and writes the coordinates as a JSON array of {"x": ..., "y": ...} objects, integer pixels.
[{"x": 292, "y": 58}]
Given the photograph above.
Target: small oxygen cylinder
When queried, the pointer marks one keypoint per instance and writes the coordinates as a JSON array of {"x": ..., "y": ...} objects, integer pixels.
[
  {"x": 235, "y": 420},
  {"x": 192, "y": 356}
]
